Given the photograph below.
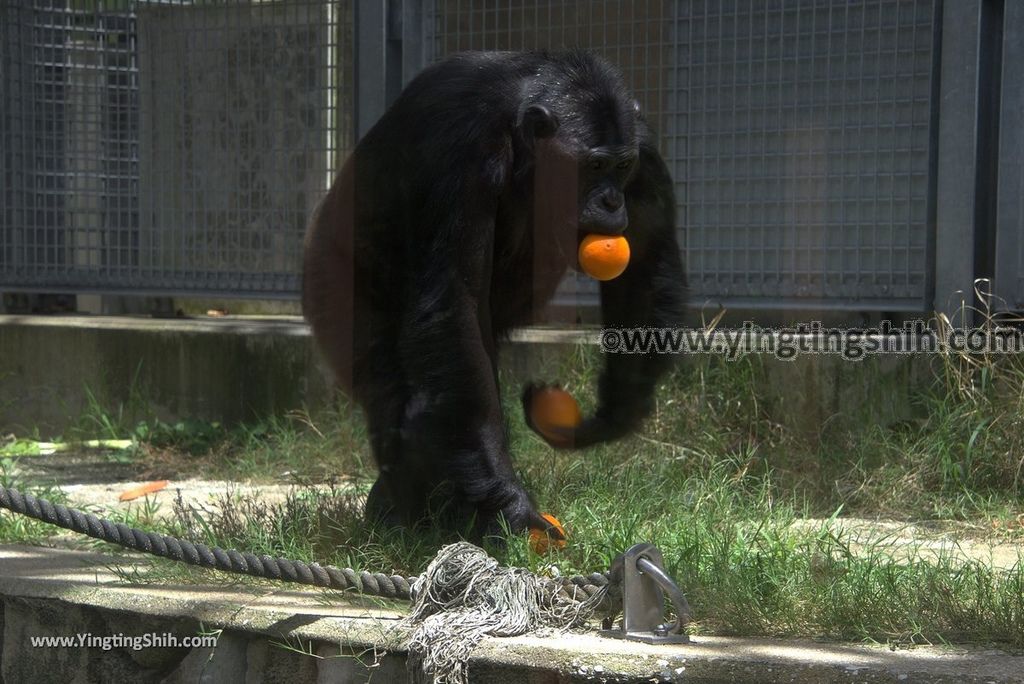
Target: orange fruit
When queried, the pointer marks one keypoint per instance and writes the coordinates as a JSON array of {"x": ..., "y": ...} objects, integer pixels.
[
  {"x": 554, "y": 408},
  {"x": 604, "y": 257},
  {"x": 143, "y": 490},
  {"x": 540, "y": 542}
]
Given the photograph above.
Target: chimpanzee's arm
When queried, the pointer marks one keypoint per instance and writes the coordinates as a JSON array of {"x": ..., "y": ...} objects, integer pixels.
[
  {"x": 453, "y": 424},
  {"x": 650, "y": 293}
]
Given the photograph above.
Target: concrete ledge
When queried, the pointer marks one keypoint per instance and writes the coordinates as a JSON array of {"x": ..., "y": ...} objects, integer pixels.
[
  {"x": 273, "y": 634},
  {"x": 240, "y": 368},
  {"x": 217, "y": 369},
  {"x": 226, "y": 369}
]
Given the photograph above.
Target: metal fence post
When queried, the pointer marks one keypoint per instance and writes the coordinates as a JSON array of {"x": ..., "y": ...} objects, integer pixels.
[
  {"x": 1009, "y": 266},
  {"x": 414, "y": 56},
  {"x": 389, "y": 52},
  {"x": 959, "y": 239},
  {"x": 370, "y": 63}
]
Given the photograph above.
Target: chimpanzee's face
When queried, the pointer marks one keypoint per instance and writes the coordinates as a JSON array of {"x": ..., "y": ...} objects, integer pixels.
[
  {"x": 603, "y": 175},
  {"x": 584, "y": 160}
]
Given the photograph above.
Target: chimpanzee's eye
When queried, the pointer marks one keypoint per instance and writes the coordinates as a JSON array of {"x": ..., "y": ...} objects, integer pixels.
[
  {"x": 622, "y": 165},
  {"x": 596, "y": 164}
]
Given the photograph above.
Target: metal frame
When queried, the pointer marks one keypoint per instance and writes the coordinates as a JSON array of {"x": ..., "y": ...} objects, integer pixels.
[
  {"x": 977, "y": 231},
  {"x": 957, "y": 154},
  {"x": 371, "y": 58},
  {"x": 389, "y": 53},
  {"x": 1009, "y": 219},
  {"x": 102, "y": 191}
]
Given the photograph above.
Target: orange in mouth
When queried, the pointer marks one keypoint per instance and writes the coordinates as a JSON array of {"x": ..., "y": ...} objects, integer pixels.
[{"x": 604, "y": 257}]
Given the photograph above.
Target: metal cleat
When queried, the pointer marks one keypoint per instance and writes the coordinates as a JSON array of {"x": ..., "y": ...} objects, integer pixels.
[{"x": 640, "y": 571}]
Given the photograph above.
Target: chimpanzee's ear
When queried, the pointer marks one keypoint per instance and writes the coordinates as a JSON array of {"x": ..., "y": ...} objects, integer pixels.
[{"x": 537, "y": 121}]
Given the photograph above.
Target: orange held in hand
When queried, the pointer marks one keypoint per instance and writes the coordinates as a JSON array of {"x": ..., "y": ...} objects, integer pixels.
[
  {"x": 540, "y": 542},
  {"x": 552, "y": 409},
  {"x": 604, "y": 257}
]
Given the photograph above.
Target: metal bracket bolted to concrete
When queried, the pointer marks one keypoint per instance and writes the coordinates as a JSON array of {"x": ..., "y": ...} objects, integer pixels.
[{"x": 640, "y": 570}]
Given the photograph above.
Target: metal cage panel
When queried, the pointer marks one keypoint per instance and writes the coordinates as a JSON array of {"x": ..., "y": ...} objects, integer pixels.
[
  {"x": 798, "y": 133},
  {"x": 1009, "y": 217},
  {"x": 168, "y": 146},
  {"x": 802, "y": 136}
]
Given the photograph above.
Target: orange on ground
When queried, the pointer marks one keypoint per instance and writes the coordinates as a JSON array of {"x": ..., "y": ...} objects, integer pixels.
[
  {"x": 540, "y": 542},
  {"x": 142, "y": 490},
  {"x": 604, "y": 257},
  {"x": 554, "y": 408}
]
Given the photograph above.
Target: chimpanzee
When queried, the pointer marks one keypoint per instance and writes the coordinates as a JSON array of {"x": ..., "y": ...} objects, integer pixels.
[{"x": 452, "y": 222}]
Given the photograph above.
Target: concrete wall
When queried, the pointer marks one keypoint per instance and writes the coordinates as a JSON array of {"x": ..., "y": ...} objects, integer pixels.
[
  {"x": 215, "y": 370},
  {"x": 235, "y": 369}
]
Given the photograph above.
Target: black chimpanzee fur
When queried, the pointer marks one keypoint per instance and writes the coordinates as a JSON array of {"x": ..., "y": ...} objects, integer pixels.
[{"x": 452, "y": 222}]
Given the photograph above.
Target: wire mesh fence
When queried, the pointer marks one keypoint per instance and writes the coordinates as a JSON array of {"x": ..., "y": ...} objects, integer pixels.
[
  {"x": 803, "y": 135},
  {"x": 163, "y": 147},
  {"x": 168, "y": 146},
  {"x": 798, "y": 133}
]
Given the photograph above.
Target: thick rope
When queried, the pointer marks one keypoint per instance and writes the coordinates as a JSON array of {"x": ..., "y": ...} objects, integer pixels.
[{"x": 239, "y": 562}]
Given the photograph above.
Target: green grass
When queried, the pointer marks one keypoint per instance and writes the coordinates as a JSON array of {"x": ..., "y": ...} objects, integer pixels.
[
  {"x": 18, "y": 529},
  {"x": 712, "y": 480}
]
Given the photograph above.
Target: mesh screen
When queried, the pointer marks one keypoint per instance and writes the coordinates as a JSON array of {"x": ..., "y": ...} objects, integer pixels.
[
  {"x": 797, "y": 132},
  {"x": 168, "y": 146},
  {"x": 801, "y": 138},
  {"x": 181, "y": 146}
]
